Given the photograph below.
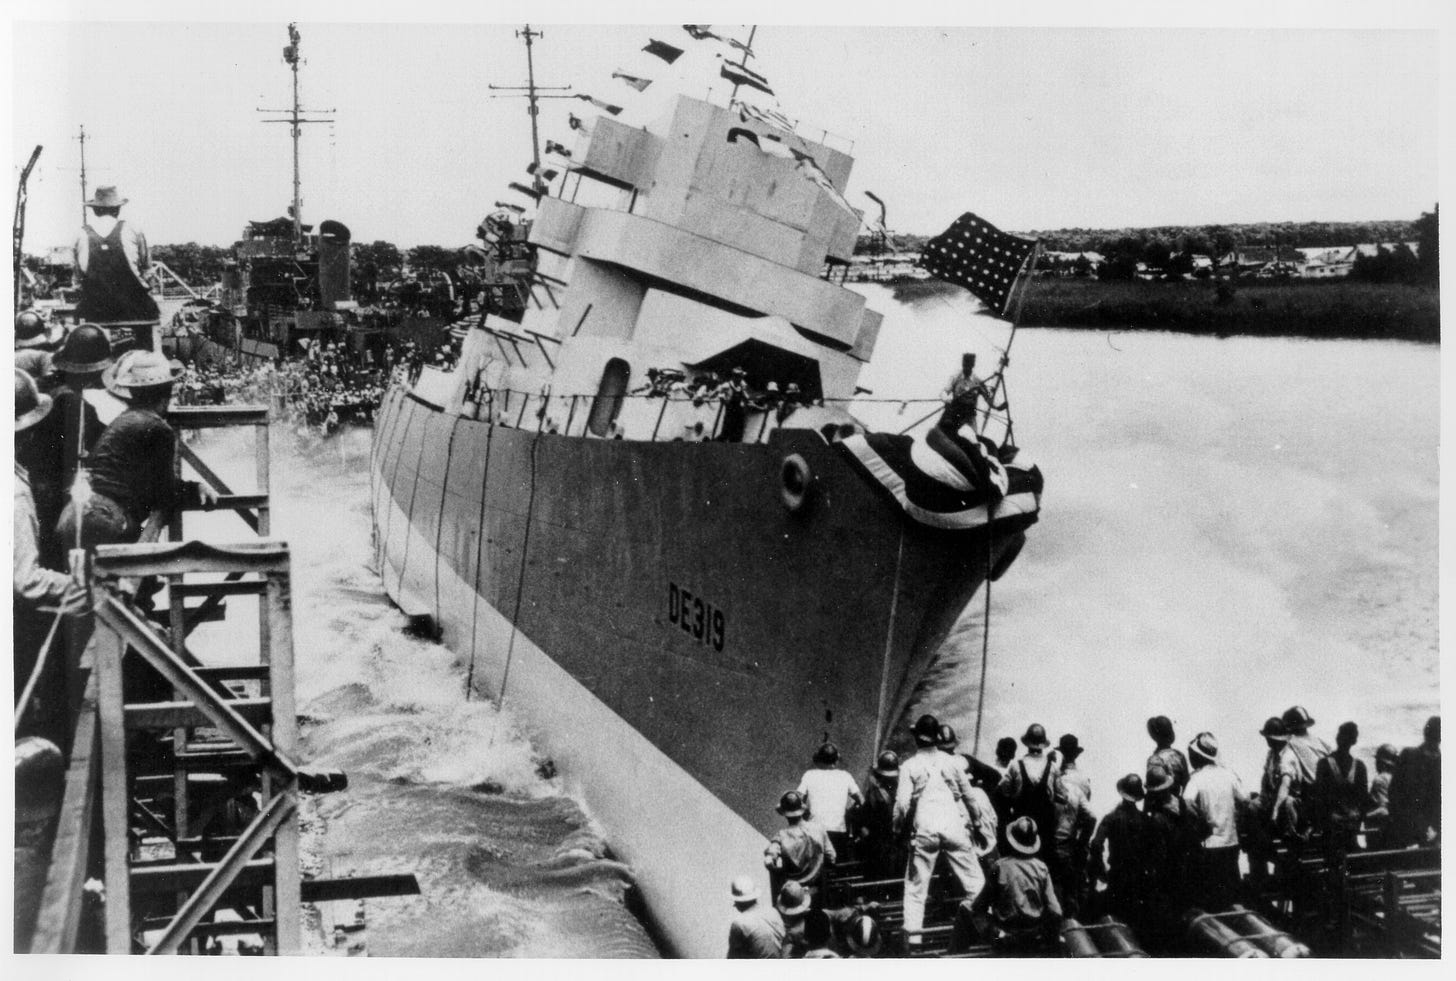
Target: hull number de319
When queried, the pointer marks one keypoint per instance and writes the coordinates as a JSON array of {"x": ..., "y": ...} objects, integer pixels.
[{"x": 697, "y": 618}]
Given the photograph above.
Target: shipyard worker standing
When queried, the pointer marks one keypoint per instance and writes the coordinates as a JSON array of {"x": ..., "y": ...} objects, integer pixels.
[
  {"x": 40, "y": 594},
  {"x": 963, "y": 395},
  {"x": 1304, "y": 752},
  {"x": 1214, "y": 798},
  {"x": 802, "y": 851},
  {"x": 879, "y": 848},
  {"x": 1019, "y": 900},
  {"x": 112, "y": 260},
  {"x": 1168, "y": 840},
  {"x": 1341, "y": 793},
  {"x": 69, "y": 432},
  {"x": 1415, "y": 791},
  {"x": 1275, "y": 811},
  {"x": 131, "y": 465},
  {"x": 1377, "y": 817},
  {"x": 1029, "y": 785},
  {"x": 931, "y": 804},
  {"x": 1121, "y": 833},
  {"x": 757, "y": 931},
  {"x": 830, "y": 794},
  {"x": 1160, "y": 728},
  {"x": 1075, "y": 822}
]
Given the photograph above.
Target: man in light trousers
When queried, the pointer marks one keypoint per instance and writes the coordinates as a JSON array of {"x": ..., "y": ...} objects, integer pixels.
[{"x": 932, "y": 802}]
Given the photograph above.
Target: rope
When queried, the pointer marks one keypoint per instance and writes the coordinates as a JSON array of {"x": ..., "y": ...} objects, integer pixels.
[
  {"x": 985, "y": 634},
  {"x": 440, "y": 519},
  {"x": 520, "y": 590},
  {"x": 23, "y": 702},
  {"x": 475, "y": 601}
]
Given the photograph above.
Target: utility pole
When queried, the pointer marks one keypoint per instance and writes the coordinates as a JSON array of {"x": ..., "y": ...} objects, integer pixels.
[
  {"x": 17, "y": 239},
  {"x": 533, "y": 96},
  {"x": 84, "y": 195},
  {"x": 295, "y": 121}
]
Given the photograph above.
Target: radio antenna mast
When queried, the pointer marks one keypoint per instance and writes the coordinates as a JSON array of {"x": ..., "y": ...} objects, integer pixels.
[
  {"x": 294, "y": 117},
  {"x": 533, "y": 95}
]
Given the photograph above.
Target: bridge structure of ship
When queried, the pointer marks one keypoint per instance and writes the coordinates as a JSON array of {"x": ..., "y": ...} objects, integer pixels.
[
  {"x": 1316, "y": 902},
  {"x": 176, "y": 823}
]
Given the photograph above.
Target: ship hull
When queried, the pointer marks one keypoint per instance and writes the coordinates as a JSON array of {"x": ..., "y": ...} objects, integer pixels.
[{"x": 668, "y": 630}]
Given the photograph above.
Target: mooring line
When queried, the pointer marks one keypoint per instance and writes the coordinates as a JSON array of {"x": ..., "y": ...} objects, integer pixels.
[
  {"x": 889, "y": 642},
  {"x": 985, "y": 632},
  {"x": 440, "y": 519},
  {"x": 479, "y": 564},
  {"x": 520, "y": 588}
]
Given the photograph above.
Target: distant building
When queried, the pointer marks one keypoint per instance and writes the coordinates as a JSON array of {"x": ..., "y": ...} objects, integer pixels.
[
  {"x": 1264, "y": 261},
  {"x": 1324, "y": 262},
  {"x": 1054, "y": 263}
]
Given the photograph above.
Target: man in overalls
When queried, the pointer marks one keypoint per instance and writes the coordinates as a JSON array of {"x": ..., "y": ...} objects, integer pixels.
[{"x": 111, "y": 261}]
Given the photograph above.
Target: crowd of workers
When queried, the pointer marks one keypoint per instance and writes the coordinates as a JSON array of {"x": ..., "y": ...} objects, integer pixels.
[{"x": 1019, "y": 835}]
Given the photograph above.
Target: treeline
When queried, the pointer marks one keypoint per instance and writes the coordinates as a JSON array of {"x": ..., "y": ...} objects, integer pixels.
[{"x": 379, "y": 261}]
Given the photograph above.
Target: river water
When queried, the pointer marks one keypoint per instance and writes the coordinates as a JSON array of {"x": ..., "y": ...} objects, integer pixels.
[{"x": 1229, "y": 527}]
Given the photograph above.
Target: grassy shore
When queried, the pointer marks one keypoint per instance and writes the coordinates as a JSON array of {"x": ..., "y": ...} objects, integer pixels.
[{"x": 1260, "y": 308}]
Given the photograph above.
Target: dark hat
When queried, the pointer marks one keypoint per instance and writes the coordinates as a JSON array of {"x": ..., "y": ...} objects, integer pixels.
[
  {"x": 31, "y": 331},
  {"x": 926, "y": 730},
  {"x": 791, "y": 804},
  {"x": 1295, "y": 717},
  {"x": 1274, "y": 729},
  {"x": 30, "y": 405},
  {"x": 1022, "y": 836},
  {"x": 946, "y": 738},
  {"x": 106, "y": 197},
  {"x": 1347, "y": 730},
  {"x": 1160, "y": 778},
  {"x": 1006, "y": 746},
  {"x": 1160, "y": 727},
  {"x": 1069, "y": 747},
  {"x": 1131, "y": 787},
  {"x": 1035, "y": 735},
  {"x": 1386, "y": 753},
  {"x": 1205, "y": 746},
  {"x": 827, "y": 754},
  {"x": 888, "y": 765},
  {"x": 793, "y": 899},
  {"x": 87, "y": 349}
]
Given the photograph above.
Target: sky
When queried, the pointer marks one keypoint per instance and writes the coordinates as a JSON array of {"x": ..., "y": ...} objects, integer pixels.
[{"x": 1034, "y": 127}]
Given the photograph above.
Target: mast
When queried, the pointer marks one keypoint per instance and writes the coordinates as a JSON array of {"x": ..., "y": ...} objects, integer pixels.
[
  {"x": 747, "y": 53},
  {"x": 533, "y": 98},
  {"x": 294, "y": 118},
  {"x": 82, "y": 138}
]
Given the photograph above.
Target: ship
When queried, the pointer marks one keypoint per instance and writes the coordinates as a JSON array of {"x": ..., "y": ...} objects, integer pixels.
[{"x": 681, "y": 596}]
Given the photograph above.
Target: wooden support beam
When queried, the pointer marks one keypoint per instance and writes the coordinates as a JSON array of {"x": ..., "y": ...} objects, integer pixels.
[
  {"x": 63, "y": 898},
  {"x": 115, "y": 803},
  {"x": 171, "y": 877},
  {"x": 185, "y": 714},
  {"x": 217, "y": 416},
  {"x": 358, "y": 887},
  {"x": 167, "y": 558},
  {"x": 228, "y": 587}
]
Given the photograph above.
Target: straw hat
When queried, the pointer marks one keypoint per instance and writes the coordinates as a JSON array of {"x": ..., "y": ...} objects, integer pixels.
[
  {"x": 793, "y": 899},
  {"x": 106, "y": 197},
  {"x": 140, "y": 370},
  {"x": 30, "y": 405},
  {"x": 1022, "y": 836},
  {"x": 1204, "y": 745},
  {"x": 743, "y": 890}
]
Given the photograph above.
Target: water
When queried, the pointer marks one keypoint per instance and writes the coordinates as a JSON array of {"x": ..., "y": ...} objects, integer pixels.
[
  {"x": 508, "y": 866},
  {"x": 1230, "y": 527}
]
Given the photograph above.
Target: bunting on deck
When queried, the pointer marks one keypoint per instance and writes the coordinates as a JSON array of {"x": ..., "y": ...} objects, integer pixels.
[
  {"x": 604, "y": 106},
  {"x": 547, "y": 174},
  {"x": 977, "y": 255},
  {"x": 768, "y": 117},
  {"x": 700, "y": 32},
  {"x": 931, "y": 490},
  {"x": 663, "y": 50},
  {"x": 637, "y": 83},
  {"x": 553, "y": 147},
  {"x": 741, "y": 75},
  {"x": 511, "y": 207}
]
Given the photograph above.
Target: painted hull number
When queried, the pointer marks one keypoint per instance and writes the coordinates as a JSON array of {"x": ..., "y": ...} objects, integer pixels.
[{"x": 696, "y": 617}]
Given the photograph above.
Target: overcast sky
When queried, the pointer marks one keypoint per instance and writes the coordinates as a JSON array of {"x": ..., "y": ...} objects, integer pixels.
[{"x": 1039, "y": 127}]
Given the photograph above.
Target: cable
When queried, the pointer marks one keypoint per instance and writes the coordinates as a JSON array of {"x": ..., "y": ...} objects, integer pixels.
[
  {"x": 23, "y": 702},
  {"x": 985, "y": 633},
  {"x": 520, "y": 590}
]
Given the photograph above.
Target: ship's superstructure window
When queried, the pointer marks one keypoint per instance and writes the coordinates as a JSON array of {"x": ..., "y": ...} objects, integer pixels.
[{"x": 610, "y": 393}]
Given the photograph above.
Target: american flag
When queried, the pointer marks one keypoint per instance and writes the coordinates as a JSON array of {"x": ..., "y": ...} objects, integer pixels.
[{"x": 979, "y": 256}]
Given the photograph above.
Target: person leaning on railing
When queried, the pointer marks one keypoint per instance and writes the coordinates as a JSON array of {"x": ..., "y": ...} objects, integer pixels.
[{"x": 129, "y": 473}]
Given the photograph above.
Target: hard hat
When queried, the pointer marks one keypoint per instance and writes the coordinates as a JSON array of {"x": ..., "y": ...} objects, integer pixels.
[
  {"x": 1035, "y": 735},
  {"x": 31, "y": 331},
  {"x": 140, "y": 370},
  {"x": 1274, "y": 729},
  {"x": 1295, "y": 717},
  {"x": 888, "y": 765},
  {"x": 87, "y": 349},
  {"x": 743, "y": 890},
  {"x": 793, "y": 899},
  {"x": 827, "y": 755},
  {"x": 926, "y": 730},
  {"x": 945, "y": 738},
  {"x": 30, "y": 405},
  {"x": 791, "y": 804}
]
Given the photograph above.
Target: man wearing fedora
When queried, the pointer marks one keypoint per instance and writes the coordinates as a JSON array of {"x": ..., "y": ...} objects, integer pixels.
[
  {"x": 1019, "y": 903},
  {"x": 793, "y": 903},
  {"x": 1074, "y": 824},
  {"x": 1029, "y": 785},
  {"x": 1214, "y": 797},
  {"x": 878, "y": 847},
  {"x": 932, "y": 803},
  {"x": 112, "y": 260},
  {"x": 130, "y": 467},
  {"x": 757, "y": 931},
  {"x": 1121, "y": 833}
]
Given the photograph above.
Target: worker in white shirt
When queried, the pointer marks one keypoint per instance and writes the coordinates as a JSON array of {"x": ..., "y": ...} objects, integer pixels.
[{"x": 831, "y": 794}]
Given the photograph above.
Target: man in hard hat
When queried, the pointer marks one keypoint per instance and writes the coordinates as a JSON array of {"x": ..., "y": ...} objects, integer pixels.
[
  {"x": 800, "y": 852},
  {"x": 130, "y": 467},
  {"x": 878, "y": 847},
  {"x": 40, "y": 594},
  {"x": 35, "y": 344},
  {"x": 931, "y": 804},
  {"x": 830, "y": 794},
  {"x": 1124, "y": 868},
  {"x": 112, "y": 261},
  {"x": 757, "y": 931}
]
